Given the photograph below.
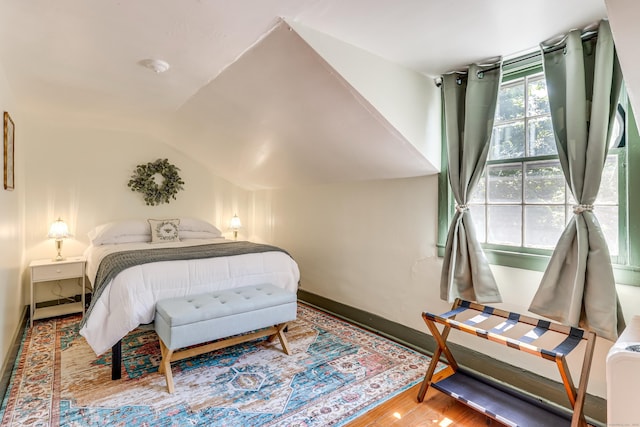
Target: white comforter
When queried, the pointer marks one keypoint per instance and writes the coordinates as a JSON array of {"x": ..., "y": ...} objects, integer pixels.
[{"x": 129, "y": 300}]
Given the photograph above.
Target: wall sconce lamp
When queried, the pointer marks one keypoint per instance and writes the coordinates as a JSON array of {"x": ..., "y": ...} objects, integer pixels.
[
  {"x": 235, "y": 226},
  {"x": 59, "y": 231}
]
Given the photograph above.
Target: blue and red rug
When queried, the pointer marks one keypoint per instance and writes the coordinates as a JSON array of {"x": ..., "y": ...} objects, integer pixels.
[{"x": 335, "y": 373}]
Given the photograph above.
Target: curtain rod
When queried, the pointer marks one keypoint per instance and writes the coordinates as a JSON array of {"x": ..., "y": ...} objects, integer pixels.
[
  {"x": 563, "y": 42},
  {"x": 553, "y": 48}
]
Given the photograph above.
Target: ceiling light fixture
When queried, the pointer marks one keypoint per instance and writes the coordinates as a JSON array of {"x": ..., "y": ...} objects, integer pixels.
[{"x": 157, "y": 65}]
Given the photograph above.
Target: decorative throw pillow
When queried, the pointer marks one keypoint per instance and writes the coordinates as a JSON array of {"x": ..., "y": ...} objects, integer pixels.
[{"x": 164, "y": 230}]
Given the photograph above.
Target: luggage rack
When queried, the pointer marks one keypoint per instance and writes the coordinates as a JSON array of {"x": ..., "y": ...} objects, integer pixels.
[{"x": 496, "y": 402}]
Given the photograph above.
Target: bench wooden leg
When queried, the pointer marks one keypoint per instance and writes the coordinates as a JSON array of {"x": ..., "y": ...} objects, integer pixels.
[
  {"x": 163, "y": 349},
  {"x": 283, "y": 339},
  {"x": 165, "y": 365}
]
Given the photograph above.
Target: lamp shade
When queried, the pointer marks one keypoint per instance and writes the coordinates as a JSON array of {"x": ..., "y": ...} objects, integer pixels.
[
  {"x": 58, "y": 230},
  {"x": 235, "y": 223}
]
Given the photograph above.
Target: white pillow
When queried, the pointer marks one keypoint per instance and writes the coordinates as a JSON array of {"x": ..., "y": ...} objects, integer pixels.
[
  {"x": 198, "y": 235},
  {"x": 164, "y": 230},
  {"x": 194, "y": 224},
  {"x": 139, "y": 231},
  {"x": 128, "y": 231}
]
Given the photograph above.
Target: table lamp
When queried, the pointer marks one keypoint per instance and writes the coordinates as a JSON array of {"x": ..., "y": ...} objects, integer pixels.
[
  {"x": 59, "y": 231},
  {"x": 235, "y": 226}
]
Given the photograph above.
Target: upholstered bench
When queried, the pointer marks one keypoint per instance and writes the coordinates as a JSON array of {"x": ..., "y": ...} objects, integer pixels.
[{"x": 262, "y": 310}]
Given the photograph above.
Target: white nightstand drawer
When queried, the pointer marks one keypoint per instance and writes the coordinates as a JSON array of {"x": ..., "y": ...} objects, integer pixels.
[{"x": 57, "y": 272}]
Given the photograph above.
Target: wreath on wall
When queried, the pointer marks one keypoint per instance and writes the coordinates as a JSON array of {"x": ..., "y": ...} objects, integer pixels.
[{"x": 144, "y": 180}]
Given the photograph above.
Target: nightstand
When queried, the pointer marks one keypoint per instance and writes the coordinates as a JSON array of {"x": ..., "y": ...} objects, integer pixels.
[{"x": 47, "y": 270}]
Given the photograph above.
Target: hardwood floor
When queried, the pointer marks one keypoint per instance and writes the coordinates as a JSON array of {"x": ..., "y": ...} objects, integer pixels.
[{"x": 437, "y": 410}]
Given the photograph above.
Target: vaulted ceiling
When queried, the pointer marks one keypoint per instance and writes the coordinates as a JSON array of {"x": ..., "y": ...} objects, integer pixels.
[{"x": 245, "y": 85}]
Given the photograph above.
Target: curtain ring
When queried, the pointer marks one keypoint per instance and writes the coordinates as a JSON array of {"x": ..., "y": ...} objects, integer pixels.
[
  {"x": 462, "y": 208},
  {"x": 480, "y": 74},
  {"x": 578, "y": 209},
  {"x": 459, "y": 80}
]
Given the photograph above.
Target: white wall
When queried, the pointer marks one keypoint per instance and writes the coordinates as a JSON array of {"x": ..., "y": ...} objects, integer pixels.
[
  {"x": 79, "y": 172},
  {"x": 409, "y": 100},
  {"x": 372, "y": 245},
  {"x": 11, "y": 232}
]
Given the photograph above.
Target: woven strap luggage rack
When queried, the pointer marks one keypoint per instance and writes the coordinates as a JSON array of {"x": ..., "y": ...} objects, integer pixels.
[{"x": 497, "y": 402}]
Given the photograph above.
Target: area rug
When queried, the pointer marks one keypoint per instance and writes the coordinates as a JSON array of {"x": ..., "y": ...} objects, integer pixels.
[{"x": 336, "y": 372}]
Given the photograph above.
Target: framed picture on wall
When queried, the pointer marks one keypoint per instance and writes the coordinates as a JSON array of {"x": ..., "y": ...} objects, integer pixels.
[{"x": 9, "y": 137}]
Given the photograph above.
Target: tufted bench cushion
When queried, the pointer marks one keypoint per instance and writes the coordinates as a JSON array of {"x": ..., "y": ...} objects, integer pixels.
[
  {"x": 187, "y": 321},
  {"x": 184, "y": 321}
]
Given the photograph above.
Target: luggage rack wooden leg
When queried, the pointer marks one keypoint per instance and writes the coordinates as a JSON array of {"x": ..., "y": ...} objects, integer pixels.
[
  {"x": 578, "y": 407},
  {"x": 441, "y": 341}
]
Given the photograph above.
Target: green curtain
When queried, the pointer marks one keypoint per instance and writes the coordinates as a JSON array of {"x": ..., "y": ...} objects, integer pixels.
[
  {"x": 469, "y": 107},
  {"x": 583, "y": 82}
]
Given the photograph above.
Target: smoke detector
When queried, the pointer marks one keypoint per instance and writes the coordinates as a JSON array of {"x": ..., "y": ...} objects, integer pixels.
[{"x": 156, "y": 65}]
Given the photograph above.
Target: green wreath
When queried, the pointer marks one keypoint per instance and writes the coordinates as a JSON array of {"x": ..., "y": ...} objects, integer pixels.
[{"x": 143, "y": 181}]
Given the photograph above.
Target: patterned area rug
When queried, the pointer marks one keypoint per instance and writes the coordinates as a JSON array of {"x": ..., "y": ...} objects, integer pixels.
[{"x": 335, "y": 373}]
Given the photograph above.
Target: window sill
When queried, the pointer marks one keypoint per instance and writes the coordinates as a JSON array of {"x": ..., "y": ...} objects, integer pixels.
[{"x": 624, "y": 274}]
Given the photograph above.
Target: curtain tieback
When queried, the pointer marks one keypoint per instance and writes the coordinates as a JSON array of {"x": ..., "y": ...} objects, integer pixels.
[
  {"x": 578, "y": 209},
  {"x": 462, "y": 208}
]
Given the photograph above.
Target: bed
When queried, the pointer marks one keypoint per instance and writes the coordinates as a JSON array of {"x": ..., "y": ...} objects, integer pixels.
[{"x": 133, "y": 264}]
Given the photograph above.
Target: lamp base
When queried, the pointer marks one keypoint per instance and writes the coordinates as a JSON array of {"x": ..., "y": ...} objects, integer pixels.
[{"x": 59, "y": 257}]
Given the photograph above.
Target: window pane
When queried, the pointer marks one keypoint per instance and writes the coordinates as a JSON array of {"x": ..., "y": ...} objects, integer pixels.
[
  {"x": 544, "y": 182},
  {"x": 608, "y": 193},
  {"x": 479, "y": 192},
  {"x": 608, "y": 219},
  {"x": 538, "y": 99},
  {"x": 477, "y": 213},
  {"x": 507, "y": 141},
  {"x": 541, "y": 139},
  {"x": 505, "y": 184},
  {"x": 505, "y": 225},
  {"x": 543, "y": 226},
  {"x": 510, "y": 102}
]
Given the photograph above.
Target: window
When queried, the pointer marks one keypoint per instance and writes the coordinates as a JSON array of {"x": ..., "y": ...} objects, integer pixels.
[
  {"x": 522, "y": 203},
  {"x": 522, "y": 200}
]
